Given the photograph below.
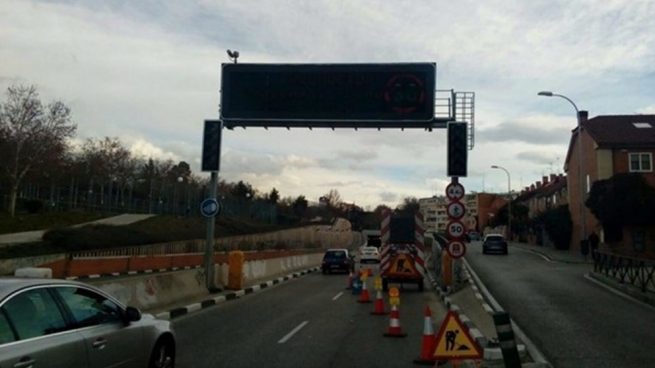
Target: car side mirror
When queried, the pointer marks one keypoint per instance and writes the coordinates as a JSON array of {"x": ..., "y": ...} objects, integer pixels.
[{"x": 132, "y": 315}]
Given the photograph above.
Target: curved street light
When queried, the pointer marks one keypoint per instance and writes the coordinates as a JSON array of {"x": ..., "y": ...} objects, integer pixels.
[
  {"x": 509, "y": 202},
  {"x": 583, "y": 225}
]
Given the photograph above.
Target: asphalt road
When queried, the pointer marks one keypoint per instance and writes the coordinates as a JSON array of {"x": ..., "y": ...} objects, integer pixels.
[
  {"x": 309, "y": 322},
  {"x": 573, "y": 321}
]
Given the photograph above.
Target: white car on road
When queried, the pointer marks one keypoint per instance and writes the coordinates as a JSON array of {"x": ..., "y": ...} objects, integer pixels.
[{"x": 369, "y": 254}]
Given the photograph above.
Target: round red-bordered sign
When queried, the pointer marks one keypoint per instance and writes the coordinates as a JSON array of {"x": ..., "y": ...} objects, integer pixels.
[
  {"x": 455, "y": 191},
  {"x": 455, "y": 210},
  {"x": 456, "y": 249},
  {"x": 455, "y": 229}
]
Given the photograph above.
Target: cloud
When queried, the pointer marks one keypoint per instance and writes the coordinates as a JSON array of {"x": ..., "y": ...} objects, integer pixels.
[
  {"x": 537, "y": 157},
  {"x": 649, "y": 110},
  {"x": 389, "y": 197},
  {"x": 141, "y": 148},
  {"x": 149, "y": 73},
  {"x": 538, "y": 130}
]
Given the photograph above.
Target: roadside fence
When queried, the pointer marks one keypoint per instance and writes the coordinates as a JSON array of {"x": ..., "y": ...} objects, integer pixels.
[{"x": 634, "y": 271}]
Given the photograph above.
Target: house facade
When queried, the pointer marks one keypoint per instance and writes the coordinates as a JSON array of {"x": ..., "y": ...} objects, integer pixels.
[{"x": 610, "y": 144}]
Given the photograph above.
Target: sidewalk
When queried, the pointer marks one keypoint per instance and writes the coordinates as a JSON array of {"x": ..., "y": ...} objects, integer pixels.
[{"x": 36, "y": 235}]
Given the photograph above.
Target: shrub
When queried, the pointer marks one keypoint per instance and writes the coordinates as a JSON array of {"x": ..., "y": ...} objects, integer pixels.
[{"x": 558, "y": 225}]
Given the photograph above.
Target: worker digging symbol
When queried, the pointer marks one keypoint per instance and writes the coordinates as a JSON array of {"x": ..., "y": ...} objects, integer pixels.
[
  {"x": 454, "y": 342},
  {"x": 450, "y": 339},
  {"x": 400, "y": 267}
]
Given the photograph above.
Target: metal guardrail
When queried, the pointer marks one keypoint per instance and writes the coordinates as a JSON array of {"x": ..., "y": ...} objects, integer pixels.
[{"x": 627, "y": 270}]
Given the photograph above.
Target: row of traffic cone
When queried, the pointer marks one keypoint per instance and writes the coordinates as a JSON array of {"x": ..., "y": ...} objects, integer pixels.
[{"x": 428, "y": 343}]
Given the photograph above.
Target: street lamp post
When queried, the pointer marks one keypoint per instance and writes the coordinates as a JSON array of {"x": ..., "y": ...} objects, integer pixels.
[
  {"x": 509, "y": 202},
  {"x": 583, "y": 227}
]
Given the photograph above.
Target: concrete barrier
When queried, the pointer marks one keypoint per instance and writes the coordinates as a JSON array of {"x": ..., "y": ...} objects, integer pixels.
[{"x": 159, "y": 290}]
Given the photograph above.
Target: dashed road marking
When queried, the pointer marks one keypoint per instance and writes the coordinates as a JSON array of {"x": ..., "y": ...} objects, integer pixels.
[
  {"x": 337, "y": 296},
  {"x": 293, "y": 332}
]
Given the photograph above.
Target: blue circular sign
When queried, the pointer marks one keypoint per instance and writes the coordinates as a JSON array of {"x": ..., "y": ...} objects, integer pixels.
[{"x": 210, "y": 207}]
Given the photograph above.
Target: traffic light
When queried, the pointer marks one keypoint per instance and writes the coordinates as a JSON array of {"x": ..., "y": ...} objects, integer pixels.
[
  {"x": 211, "y": 145},
  {"x": 457, "y": 149}
]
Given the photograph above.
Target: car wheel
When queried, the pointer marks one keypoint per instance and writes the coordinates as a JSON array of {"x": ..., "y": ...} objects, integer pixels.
[
  {"x": 324, "y": 271},
  {"x": 163, "y": 355},
  {"x": 420, "y": 285}
]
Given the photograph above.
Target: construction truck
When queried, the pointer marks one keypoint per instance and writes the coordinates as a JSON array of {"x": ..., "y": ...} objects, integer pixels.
[{"x": 402, "y": 251}]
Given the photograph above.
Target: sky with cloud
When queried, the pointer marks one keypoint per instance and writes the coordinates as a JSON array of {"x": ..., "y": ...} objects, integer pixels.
[{"x": 148, "y": 72}]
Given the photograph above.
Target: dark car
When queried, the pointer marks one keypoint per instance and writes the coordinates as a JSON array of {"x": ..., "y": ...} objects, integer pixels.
[
  {"x": 57, "y": 323},
  {"x": 336, "y": 260},
  {"x": 494, "y": 243},
  {"x": 473, "y": 236}
]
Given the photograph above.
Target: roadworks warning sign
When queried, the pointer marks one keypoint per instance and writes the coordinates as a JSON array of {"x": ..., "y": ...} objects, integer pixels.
[
  {"x": 403, "y": 265},
  {"x": 454, "y": 341}
]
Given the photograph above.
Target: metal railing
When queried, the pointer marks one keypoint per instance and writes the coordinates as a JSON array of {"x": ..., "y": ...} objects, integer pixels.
[
  {"x": 191, "y": 246},
  {"x": 634, "y": 271}
]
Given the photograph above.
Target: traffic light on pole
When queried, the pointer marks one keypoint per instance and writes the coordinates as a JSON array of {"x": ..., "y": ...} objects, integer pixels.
[
  {"x": 457, "y": 149},
  {"x": 211, "y": 145}
]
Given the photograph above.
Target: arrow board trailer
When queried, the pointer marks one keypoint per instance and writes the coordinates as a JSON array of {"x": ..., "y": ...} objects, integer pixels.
[{"x": 403, "y": 250}]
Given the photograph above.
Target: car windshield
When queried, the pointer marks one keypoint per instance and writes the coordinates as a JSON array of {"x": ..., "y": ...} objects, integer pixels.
[
  {"x": 494, "y": 238},
  {"x": 335, "y": 255}
]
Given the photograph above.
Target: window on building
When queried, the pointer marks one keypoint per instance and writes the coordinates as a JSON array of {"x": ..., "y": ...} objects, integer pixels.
[{"x": 641, "y": 162}]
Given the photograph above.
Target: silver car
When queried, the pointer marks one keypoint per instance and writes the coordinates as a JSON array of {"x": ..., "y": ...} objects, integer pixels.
[{"x": 67, "y": 324}]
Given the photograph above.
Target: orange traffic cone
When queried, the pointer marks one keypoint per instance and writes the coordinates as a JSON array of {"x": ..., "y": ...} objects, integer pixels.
[
  {"x": 428, "y": 344},
  {"x": 394, "y": 324},
  {"x": 364, "y": 297},
  {"x": 379, "y": 304},
  {"x": 350, "y": 280}
]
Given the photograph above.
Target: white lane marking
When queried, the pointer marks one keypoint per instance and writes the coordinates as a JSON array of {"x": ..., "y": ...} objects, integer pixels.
[
  {"x": 547, "y": 259},
  {"x": 293, "y": 332},
  {"x": 617, "y": 292},
  {"x": 337, "y": 296}
]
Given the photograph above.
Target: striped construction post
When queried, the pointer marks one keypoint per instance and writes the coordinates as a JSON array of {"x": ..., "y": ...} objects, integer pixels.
[
  {"x": 385, "y": 227},
  {"x": 419, "y": 241},
  {"x": 506, "y": 340}
]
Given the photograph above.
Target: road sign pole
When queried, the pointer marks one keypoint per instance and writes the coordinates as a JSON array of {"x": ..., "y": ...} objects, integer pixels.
[{"x": 209, "y": 244}]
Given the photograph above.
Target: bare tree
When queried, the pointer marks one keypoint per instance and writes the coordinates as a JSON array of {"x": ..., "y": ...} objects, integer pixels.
[
  {"x": 110, "y": 162},
  {"x": 29, "y": 133},
  {"x": 332, "y": 198}
]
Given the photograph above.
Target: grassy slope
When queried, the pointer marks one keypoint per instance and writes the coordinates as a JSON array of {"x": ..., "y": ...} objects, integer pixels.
[
  {"x": 40, "y": 221},
  {"x": 157, "y": 229}
]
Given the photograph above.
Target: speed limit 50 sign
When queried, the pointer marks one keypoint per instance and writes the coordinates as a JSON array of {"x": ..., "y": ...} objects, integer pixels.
[{"x": 455, "y": 229}]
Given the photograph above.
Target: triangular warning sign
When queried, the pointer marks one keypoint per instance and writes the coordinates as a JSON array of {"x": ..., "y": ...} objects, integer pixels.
[
  {"x": 454, "y": 340},
  {"x": 403, "y": 264}
]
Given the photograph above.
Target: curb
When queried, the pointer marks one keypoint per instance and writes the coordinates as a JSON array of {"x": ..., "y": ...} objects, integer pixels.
[
  {"x": 177, "y": 312},
  {"x": 132, "y": 273},
  {"x": 628, "y": 291}
]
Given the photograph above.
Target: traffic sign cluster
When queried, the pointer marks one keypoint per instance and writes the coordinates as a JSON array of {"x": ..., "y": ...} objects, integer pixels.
[{"x": 455, "y": 228}]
